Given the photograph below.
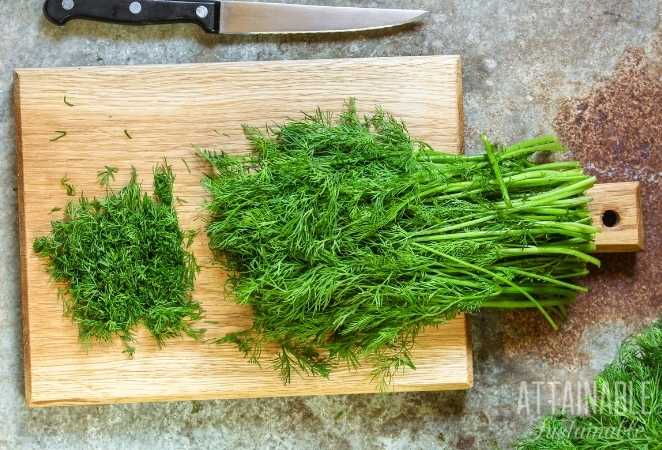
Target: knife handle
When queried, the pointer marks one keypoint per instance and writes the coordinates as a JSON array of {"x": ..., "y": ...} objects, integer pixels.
[{"x": 205, "y": 13}]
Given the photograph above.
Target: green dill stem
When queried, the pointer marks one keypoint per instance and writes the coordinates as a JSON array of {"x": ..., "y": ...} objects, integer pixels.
[
  {"x": 550, "y": 250},
  {"x": 547, "y": 279},
  {"x": 496, "y": 276},
  {"x": 466, "y": 224},
  {"x": 489, "y": 149},
  {"x": 515, "y": 304},
  {"x": 558, "y": 165}
]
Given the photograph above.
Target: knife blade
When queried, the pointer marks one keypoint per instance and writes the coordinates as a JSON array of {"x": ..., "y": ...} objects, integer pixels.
[{"x": 232, "y": 17}]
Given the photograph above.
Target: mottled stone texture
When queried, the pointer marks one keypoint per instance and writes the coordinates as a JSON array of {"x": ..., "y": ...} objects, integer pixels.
[{"x": 589, "y": 70}]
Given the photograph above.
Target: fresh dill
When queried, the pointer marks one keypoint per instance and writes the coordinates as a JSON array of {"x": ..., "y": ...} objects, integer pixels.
[
  {"x": 625, "y": 412},
  {"x": 68, "y": 103},
  {"x": 126, "y": 133},
  {"x": 188, "y": 168},
  {"x": 348, "y": 237},
  {"x": 124, "y": 261},
  {"x": 106, "y": 176},
  {"x": 60, "y": 135},
  {"x": 68, "y": 187}
]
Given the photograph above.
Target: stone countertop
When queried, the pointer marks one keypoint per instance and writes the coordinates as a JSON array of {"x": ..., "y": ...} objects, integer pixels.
[{"x": 589, "y": 71}]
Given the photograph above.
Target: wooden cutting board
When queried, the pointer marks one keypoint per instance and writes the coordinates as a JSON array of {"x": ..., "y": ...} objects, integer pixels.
[{"x": 134, "y": 116}]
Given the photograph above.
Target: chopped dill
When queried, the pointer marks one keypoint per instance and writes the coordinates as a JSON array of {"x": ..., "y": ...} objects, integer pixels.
[
  {"x": 188, "y": 168},
  {"x": 54, "y": 210},
  {"x": 68, "y": 103},
  {"x": 68, "y": 187},
  {"x": 125, "y": 263},
  {"x": 106, "y": 176},
  {"x": 126, "y": 133},
  {"x": 60, "y": 135},
  {"x": 348, "y": 237}
]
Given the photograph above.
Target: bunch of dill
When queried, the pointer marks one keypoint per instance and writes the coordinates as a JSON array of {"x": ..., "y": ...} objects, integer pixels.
[
  {"x": 626, "y": 410},
  {"x": 123, "y": 261},
  {"x": 347, "y": 237}
]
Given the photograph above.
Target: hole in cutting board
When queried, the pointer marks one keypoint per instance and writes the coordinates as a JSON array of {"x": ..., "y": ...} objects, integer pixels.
[{"x": 610, "y": 218}]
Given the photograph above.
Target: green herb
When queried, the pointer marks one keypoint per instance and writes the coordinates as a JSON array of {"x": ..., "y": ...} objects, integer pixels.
[
  {"x": 126, "y": 133},
  {"x": 188, "y": 169},
  {"x": 626, "y": 410},
  {"x": 124, "y": 262},
  {"x": 68, "y": 187},
  {"x": 106, "y": 176},
  {"x": 67, "y": 102},
  {"x": 348, "y": 237},
  {"x": 54, "y": 210},
  {"x": 60, "y": 135}
]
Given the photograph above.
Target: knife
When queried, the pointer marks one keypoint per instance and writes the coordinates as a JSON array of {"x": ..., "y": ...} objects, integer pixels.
[{"x": 231, "y": 17}]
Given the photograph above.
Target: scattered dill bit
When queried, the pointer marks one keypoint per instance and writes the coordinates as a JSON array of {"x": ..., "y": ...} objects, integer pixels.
[
  {"x": 188, "y": 169},
  {"x": 625, "y": 411},
  {"x": 60, "y": 135},
  {"x": 348, "y": 237},
  {"x": 124, "y": 262},
  {"x": 130, "y": 350},
  {"x": 181, "y": 201},
  {"x": 68, "y": 187},
  {"x": 221, "y": 134},
  {"x": 126, "y": 133},
  {"x": 107, "y": 175},
  {"x": 68, "y": 103},
  {"x": 56, "y": 209},
  {"x": 339, "y": 414}
]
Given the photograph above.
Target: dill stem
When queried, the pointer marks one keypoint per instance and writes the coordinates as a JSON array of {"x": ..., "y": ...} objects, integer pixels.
[
  {"x": 468, "y": 223},
  {"x": 496, "y": 276},
  {"x": 516, "y": 304},
  {"x": 551, "y": 280},
  {"x": 557, "y": 165},
  {"x": 489, "y": 149},
  {"x": 549, "y": 250}
]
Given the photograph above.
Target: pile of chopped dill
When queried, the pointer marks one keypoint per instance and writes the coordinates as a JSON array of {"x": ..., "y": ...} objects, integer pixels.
[
  {"x": 348, "y": 237},
  {"x": 124, "y": 262}
]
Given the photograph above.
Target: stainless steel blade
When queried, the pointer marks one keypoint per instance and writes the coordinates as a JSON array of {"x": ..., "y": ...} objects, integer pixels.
[{"x": 238, "y": 17}]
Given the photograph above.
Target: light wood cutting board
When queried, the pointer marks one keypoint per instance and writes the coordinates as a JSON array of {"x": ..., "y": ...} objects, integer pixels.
[
  {"x": 134, "y": 116},
  {"x": 166, "y": 110}
]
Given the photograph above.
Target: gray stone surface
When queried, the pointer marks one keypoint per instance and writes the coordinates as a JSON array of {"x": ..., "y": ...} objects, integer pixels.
[{"x": 521, "y": 58}]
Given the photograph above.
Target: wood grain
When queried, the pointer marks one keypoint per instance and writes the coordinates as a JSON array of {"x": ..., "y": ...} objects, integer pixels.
[
  {"x": 627, "y": 234},
  {"x": 167, "y": 110}
]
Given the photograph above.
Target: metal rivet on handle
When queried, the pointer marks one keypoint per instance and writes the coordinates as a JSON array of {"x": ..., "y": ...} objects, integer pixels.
[
  {"x": 202, "y": 11},
  {"x": 68, "y": 5},
  {"x": 135, "y": 7}
]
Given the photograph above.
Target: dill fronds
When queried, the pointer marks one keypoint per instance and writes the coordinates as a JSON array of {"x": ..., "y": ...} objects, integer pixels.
[
  {"x": 124, "y": 261},
  {"x": 626, "y": 410},
  {"x": 348, "y": 237},
  {"x": 107, "y": 175},
  {"x": 68, "y": 187}
]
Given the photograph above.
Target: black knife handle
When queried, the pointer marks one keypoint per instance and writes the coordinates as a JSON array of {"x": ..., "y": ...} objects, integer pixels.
[{"x": 205, "y": 13}]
